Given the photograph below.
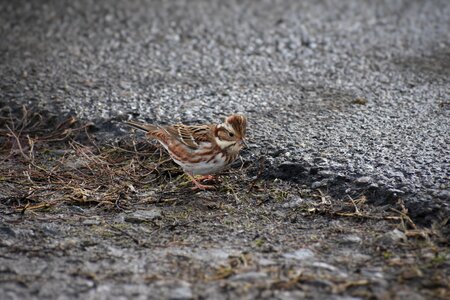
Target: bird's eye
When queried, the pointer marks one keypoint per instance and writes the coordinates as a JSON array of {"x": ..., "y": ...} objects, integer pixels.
[{"x": 230, "y": 134}]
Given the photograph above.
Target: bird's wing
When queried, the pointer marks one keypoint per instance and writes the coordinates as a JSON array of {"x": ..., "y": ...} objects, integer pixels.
[{"x": 191, "y": 136}]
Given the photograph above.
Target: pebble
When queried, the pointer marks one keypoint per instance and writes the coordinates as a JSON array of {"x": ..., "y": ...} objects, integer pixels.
[
  {"x": 91, "y": 221},
  {"x": 300, "y": 254},
  {"x": 331, "y": 268},
  {"x": 290, "y": 295},
  {"x": 351, "y": 239},
  {"x": 249, "y": 276},
  {"x": 393, "y": 237},
  {"x": 319, "y": 184},
  {"x": 182, "y": 291},
  {"x": 142, "y": 216},
  {"x": 293, "y": 202},
  {"x": 364, "y": 180}
]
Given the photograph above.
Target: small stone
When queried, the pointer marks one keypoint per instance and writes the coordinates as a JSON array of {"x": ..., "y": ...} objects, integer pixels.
[
  {"x": 341, "y": 176},
  {"x": 374, "y": 186},
  {"x": 125, "y": 85},
  {"x": 411, "y": 273},
  {"x": 393, "y": 237},
  {"x": 249, "y": 276},
  {"x": 350, "y": 256},
  {"x": 325, "y": 266},
  {"x": 396, "y": 174},
  {"x": 182, "y": 291},
  {"x": 376, "y": 273},
  {"x": 120, "y": 218},
  {"x": 364, "y": 180},
  {"x": 319, "y": 184},
  {"x": 325, "y": 173},
  {"x": 290, "y": 295},
  {"x": 77, "y": 209},
  {"x": 74, "y": 162},
  {"x": 300, "y": 254},
  {"x": 172, "y": 289},
  {"x": 142, "y": 216},
  {"x": 330, "y": 268},
  {"x": 351, "y": 239},
  {"x": 396, "y": 192},
  {"x": 91, "y": 221},
  {"x": 264, "y": 262},
  {"x": 293, "y": 202},
  {"x": 116, "y": 252}
]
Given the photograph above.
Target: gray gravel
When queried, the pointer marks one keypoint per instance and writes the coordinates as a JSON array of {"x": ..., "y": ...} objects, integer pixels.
[{"x": 349, "y": 91}]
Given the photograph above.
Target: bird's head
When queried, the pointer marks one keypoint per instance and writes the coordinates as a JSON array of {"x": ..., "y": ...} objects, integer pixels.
[{"x": 230, "y": 135}]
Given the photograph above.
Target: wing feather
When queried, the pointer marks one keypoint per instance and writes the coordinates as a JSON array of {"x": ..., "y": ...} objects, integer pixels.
[{"x": 190, "y": 136}]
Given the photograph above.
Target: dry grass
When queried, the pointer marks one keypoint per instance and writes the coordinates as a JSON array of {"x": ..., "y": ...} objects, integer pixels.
[{"x": 50, "y": 164}]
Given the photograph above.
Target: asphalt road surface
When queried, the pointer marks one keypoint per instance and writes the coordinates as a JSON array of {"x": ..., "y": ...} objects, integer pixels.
[
  {"x": 351, "y": 97},
  {"x": 355, "y": 90}
]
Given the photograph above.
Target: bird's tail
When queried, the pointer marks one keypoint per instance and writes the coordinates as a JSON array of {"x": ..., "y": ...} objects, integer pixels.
[{"x": 141, "y": 126}]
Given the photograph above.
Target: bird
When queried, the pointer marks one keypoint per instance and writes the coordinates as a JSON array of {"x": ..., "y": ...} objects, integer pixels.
[{"x": 200, "y": 149}]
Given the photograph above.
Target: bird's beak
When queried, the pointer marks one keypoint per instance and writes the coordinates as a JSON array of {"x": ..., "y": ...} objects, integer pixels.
[{"x": 244, "y": 143}]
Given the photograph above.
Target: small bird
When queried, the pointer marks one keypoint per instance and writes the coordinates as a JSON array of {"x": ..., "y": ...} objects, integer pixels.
[{"x": 200, "y": 149}]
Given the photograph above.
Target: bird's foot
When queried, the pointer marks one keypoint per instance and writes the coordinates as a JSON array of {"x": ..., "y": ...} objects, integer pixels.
[
  {"x": 206, "y": 178},
  {"x": 198, "y": 185}
]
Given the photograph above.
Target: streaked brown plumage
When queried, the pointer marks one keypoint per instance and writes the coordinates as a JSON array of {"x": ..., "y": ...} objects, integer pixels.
[{"x": 200, "y": 149}]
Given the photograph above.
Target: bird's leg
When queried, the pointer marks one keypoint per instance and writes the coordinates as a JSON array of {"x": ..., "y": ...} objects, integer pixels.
[
  {"x": 198, "y": 185},
  {"x": 206, "y": 178}
]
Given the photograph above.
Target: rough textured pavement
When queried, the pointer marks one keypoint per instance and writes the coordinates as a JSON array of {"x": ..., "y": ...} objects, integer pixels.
[
  {"x": 347, "y": 96},
  {"x": 358, "y": 89}
]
